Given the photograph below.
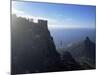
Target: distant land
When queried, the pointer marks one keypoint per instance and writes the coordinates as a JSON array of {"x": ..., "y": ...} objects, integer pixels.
[{"x": 66, "y": 37}]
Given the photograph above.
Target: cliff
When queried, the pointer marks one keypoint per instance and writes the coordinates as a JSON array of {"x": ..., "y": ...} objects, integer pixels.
[{"x": 33, "y": 49}]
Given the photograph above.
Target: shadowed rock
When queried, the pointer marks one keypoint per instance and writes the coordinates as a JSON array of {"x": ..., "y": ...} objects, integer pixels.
[
  {"x": 33, "y": 49},
  {"x": 84, "y": 52}
]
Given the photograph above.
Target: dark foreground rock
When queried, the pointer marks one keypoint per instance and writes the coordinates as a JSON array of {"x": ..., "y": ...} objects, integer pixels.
[{"x": 33, "y": 49}]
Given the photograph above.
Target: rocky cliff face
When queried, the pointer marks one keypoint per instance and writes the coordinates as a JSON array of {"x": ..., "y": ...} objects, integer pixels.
[
  {"x": 33, "y": 49},
  {"x": 84, "y": 52}
]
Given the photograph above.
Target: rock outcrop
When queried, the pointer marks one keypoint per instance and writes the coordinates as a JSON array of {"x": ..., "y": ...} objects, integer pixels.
[{"x": 33, "y": 49}]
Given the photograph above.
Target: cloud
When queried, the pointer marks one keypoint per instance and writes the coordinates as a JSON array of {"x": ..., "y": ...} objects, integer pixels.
[
  {"x": 60, "y": 26},
  {"x": 23, "y": 14},
  {"x": 52, "y": 23},
  {"x": 14, "y": 11}
]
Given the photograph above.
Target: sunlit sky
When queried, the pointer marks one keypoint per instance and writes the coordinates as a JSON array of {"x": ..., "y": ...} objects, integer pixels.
[{"x": 58, "y": 15}]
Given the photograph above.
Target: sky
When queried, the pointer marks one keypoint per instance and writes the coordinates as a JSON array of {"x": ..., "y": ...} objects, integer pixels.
[{"x": 59, "y": 16}]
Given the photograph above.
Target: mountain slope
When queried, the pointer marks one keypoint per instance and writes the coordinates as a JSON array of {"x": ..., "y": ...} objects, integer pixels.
[{"x": 84, "y": 53}]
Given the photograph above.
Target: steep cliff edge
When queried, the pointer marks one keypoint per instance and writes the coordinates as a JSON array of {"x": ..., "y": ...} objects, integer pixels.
[{"x": 33, "y": 49}]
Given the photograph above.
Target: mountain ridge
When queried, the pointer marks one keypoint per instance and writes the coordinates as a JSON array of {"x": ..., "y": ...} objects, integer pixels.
[{"x": 83, "y": 52}]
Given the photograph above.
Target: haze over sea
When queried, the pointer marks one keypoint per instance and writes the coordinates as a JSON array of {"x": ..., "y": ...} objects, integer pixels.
[{"x": 70, "y": 36}]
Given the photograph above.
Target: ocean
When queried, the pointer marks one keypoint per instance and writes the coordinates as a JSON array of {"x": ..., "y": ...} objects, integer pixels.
[{"x": 64, "y": 37}]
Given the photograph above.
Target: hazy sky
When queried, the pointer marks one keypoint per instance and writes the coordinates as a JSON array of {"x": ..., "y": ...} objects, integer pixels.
[{"x": 58, "y": 15}]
